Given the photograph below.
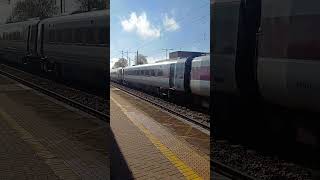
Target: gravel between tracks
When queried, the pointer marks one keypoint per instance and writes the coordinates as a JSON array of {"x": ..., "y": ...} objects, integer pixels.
[
  {"x": 255, "y": 164},
  {"x": 86, "y": 99}
]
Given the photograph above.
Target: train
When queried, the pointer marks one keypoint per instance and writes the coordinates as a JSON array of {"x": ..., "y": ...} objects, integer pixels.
[
  {"x": 188, "y": 77},
  {"x": 72, "y": 47},
  {"x": 266, "y": 57}
]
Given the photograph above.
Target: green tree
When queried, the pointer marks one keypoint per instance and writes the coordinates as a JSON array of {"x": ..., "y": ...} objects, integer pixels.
[
  {"x": 26, "y": 9},
  {"x": 141, "y": 59},
  {"x": 122, "y": 62}
]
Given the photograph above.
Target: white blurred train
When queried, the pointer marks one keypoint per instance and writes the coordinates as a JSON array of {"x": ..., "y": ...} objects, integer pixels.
[
  {"x": 184, "y": 76},
  {"x": 72, "y": 46},
  {"x": 267, "y": 51}
]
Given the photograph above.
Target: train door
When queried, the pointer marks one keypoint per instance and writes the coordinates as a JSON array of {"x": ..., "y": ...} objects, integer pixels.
[
  {"x": 246, "y": 62},
  {"x": 33, "y": 39},
  {"x": 171, "y": 75},
  {"x": 224, "y": 44},
  {"x": 179, "y": 75},
  {"x": 187, "y": 74},
  {"x": 234, "y": 46},
  {"x": 41, "y": 39},
  {"x": 28, "y": 39}
]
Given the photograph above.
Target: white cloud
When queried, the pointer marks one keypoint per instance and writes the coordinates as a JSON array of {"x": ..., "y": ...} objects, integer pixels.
[
  {"x": 170, "y": 24},
  {"x": 141, "y": 25}
]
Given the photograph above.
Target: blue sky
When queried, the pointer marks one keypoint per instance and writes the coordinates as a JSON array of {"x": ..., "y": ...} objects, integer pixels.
[{"x": 151, "y": 25}]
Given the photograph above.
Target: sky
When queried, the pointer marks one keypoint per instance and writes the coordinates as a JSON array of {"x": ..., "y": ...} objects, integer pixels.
[{"x": 151, "y": 26}]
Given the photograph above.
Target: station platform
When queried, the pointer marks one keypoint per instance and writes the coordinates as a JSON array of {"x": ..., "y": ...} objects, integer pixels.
[
  {"x": 42, "y": 138},
  {"x": 153, "y": 144}
]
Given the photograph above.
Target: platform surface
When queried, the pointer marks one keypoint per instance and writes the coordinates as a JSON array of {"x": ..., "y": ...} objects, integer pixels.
[
  {"x": 149, "y": 147},
  {"x": 42, "y": 138}
]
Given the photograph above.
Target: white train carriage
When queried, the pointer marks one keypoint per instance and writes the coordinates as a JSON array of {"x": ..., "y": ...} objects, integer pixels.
[
  {"x": 18, "y": 40},
  {"x": 200, "y": 76},
  {"x": 76, "y": 46},
  {"x": 151, "y": 75},
  {"x": 113, "y": 74}
]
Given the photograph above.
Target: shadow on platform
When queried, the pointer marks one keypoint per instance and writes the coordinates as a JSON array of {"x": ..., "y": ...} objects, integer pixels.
[{"x": 118, "y": 168}]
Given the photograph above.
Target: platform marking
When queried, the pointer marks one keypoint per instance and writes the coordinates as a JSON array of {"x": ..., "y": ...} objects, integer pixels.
[
  {"x": 187, "y": 171},
  {"x": 57, "y": 165}
]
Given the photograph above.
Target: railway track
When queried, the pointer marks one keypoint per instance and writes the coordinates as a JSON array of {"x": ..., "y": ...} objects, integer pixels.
[
  {"x": 197, "y": 118},
  {"x": 88, "y": 103},
  {"x": 229, "y": 172}
]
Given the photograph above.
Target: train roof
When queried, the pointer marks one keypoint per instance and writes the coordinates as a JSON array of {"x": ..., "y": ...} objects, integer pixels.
[
  {"x": 116, "y": 69},
  {"x": 201, "y": 58},
  {"x": 153, "y": 64},
  {"x": 72, "y": 17},
  {"x": 18, "y": 24}
]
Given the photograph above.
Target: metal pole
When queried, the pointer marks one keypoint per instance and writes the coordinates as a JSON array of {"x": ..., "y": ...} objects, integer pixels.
[
  {"x": 128, "y": 58},
  {"x": 122, "y": 53},
  {"x": 137, "y": 57},
  {"x": 165, "y": 49}
]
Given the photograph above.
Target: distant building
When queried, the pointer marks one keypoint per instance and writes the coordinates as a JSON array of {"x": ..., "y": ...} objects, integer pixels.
[{"x": 183, "y": 54}]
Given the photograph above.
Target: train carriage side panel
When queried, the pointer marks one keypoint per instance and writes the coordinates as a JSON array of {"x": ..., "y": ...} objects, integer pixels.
[
  {"x": 289, "y": 57},
  {"x": 156, "y": 75},
  {"x": 79, "y": 43},
  {"x": 15, "y": 40}
]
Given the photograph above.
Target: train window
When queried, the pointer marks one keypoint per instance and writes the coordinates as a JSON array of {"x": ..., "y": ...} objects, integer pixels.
[
  {"x": 58, "y": 36},
  {"x": 152, "y": 72},
  {"x": 160, "y": 72},
  {"x": 90, "y": 36},
  {"x": 51, "y": 36},
  {"x": 226, "y": 19},
  {"x": 33, "y": 34},
  {"x": 17, "y": 36},
  {"x": 78, "y": 37},
  {"x": 286, "y": 34},
  {"x": 103, "y": 36},
  {"x": 83, "y": 36},
  {"x": 68, "y": 35},
  {"x": 147, "y": 73}
]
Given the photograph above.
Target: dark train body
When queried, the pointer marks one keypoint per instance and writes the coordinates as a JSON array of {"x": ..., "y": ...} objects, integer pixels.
[
  {"x": 266, "y": 57},
  {"x": 73, "y": 47},
  {"x": 185, "y": 76}
]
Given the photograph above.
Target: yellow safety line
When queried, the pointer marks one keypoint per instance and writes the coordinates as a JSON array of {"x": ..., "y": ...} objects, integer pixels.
[{"x": 187, "y": 171}]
